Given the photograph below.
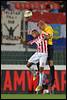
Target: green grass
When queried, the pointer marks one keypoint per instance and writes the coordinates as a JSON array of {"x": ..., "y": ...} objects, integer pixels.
[{"x": 33, "y": 96}]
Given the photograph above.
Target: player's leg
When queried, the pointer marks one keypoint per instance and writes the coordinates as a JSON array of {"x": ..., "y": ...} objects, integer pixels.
[
  {"x": 38, "y": 66},
  {"x": 29, "y": 64},
  {"x": 51, "y": 65},
  {"x": 33, "y": 60},
  {"x": 43, "y": 59},
  {"x": 39, "y": 87},
  {"x": 52, "y": 76}
]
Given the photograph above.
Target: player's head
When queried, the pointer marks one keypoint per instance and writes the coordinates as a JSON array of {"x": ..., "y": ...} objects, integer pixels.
[
  {"x": 35, "y": 33},
  {"x": 41, "y": 24}
]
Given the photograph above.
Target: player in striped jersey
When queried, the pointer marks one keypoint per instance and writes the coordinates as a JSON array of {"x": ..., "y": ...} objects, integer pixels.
[{"x": 40, "y": 55}]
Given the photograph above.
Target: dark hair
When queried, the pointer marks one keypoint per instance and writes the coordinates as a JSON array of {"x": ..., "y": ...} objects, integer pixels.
[{"x": 34, "y": 30}]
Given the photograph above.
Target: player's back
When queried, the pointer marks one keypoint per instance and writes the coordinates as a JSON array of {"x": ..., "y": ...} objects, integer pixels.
[
  {"x": 50, "y": 31},
  {"x": 41, "y": 44}
]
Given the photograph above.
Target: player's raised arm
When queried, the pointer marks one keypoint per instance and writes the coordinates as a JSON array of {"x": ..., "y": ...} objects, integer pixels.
[
  {"x": 25, "y": 42},
  {"x": 35, "y": 34}
]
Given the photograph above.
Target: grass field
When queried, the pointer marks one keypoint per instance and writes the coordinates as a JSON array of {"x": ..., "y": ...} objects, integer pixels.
[{"x": 33, "y": 96}]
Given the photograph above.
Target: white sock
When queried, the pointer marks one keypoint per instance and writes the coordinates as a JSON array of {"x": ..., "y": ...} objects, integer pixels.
[
  {"x": 40, "y": 79},
  {"x": 32, "y": 71},
  {"x": 41, "y": 75}
]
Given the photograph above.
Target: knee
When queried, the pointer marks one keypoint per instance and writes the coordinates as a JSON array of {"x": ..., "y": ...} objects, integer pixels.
[
  {"x": 51, "y": 63},
  {"x": 41, "y": 69},
  {"x": 29, "y": 64}
]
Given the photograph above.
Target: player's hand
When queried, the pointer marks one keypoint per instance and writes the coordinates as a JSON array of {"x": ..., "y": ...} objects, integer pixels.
[
  {"x": 21, "y": 38},
  {"x": 23, "y": 41}
]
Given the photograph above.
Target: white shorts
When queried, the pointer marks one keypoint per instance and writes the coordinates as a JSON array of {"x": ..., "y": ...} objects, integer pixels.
[{"x": 39, "y": 57}]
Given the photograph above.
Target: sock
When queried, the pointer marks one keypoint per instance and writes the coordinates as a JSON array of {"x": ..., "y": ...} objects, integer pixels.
[
  {"x": 40, "y": 79},
  {"x": 52, "y": 76},
  {"x": 38, "y": 66},
  {"x": 41, "y": 75},
  {"x": 33, "y": 71}
]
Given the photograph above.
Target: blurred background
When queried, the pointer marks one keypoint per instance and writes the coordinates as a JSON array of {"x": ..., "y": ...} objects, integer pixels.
[{"x": 14, "y": 25}]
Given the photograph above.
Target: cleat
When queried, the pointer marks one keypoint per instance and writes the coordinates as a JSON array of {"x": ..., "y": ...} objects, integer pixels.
[
  {"x": 34, "y": 78},
  {"x": 38, "y": 88}
]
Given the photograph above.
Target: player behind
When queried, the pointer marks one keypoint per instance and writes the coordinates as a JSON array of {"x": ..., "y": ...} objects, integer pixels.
[
  {"x": 48, "y": 29},
  {"x": 40, "y": 55}
]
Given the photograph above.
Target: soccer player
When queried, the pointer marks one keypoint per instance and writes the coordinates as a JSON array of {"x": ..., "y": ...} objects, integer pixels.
[
  {"x": 40, "y": 55},
  {"x": 48, "y": 29}
]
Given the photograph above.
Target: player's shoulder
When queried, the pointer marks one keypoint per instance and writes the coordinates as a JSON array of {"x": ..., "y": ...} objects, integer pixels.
[{"x": 50, "y": 28}]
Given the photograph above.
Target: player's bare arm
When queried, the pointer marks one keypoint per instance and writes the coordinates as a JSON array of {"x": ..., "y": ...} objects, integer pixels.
[{"x": 24, "y": 41}]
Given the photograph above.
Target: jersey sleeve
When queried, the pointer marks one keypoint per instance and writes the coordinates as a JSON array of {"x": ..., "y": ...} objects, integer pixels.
[{"x": 32, "y": 42}]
